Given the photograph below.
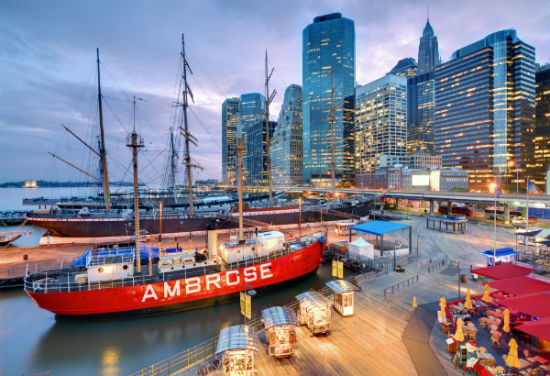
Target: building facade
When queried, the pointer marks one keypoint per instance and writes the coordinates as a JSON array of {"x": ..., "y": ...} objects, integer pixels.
[
  {"x": 421, "y": 96},
  {"x": 418, "y": 160},
  {"x": 542, "y": 126},
  {"x": 251, "y": 112},
  {"x": 410, "y": 179},
  {"x": 230, "y": 118},
  {"x": 380, "y": 121},
  {"x": 405, "y": 68},
  {"x": 328, "y": 61},
  {"x": 484, "y": 105},
  {"x": 286, "y": 145},
  {"x": 256, "y": 146},
  {"x": 428, "y": 50}
]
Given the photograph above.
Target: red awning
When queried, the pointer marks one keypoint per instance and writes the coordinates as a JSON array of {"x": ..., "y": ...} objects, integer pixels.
[
  {"x": 520, "y": 285},
  {"x": 539, "y": 328},
  {"x": 503, "y": 271},
  {"x": 533, "y": 304}
]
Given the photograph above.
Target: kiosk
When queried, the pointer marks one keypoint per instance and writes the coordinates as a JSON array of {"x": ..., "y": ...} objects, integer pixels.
[
  {"x": 237, "y": 345},
  {"x": 314, "y": 312},
  {"x": 344, "y": 296},
  {"x": 280, "y": 325}
]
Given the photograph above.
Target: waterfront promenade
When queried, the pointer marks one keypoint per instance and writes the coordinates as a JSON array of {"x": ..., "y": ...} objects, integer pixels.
[{"x": 386, "y": 336}]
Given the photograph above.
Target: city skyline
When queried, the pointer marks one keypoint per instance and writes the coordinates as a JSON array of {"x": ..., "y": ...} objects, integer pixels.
[{"x": 142, "y": 60}]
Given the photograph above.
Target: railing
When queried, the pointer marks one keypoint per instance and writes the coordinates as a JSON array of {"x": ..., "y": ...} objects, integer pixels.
[
  {"x": 20, "y": 270},
  {"x": 401, "y": 284},
  {"x": 183, "y": 361},
  {"x": 48, "y": 281},
  {"x": 540, "y": 263}
]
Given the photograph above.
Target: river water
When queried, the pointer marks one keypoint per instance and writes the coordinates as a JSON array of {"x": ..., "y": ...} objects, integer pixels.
[{"x": 32, "y": 341}]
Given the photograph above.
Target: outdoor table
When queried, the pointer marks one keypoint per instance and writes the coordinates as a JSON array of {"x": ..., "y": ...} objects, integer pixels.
[
  {"x": 545, "y": 367},
  {"x": 541, "y": 360},
  {"x": 486, "y": 358},
  {"x": 523, "y": 363}
]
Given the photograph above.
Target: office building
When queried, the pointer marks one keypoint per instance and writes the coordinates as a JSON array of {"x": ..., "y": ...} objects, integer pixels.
[
  {"x": 428, "y": 50},
  {"x": 405, "y": 68},
  {"x": 256, "y": 146},
  {"x": 286, "y": 145},
  {"x": 251, "y": 111},
  {"x": 542, "y": 126},
  {"x": 417, "y": 160},
  {"x": 484, "y": 107},
  {"x": 380, "y": 121},
  {"x": 328, "y": 60},
  {"x": 230, "y": 117},
  {"x": 421, "y": 96}
]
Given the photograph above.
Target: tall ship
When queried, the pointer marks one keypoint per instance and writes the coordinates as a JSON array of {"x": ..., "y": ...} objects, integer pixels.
[
  {"x": 114, "y": 282},
  {"x": 111, "y": 215}
]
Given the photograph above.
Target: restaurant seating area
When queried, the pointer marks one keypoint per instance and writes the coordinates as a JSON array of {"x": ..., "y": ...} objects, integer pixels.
[{"x": 504, "y": 331}]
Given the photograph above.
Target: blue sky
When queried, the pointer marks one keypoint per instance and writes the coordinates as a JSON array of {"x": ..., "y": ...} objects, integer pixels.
[{"x": 47, "y": 67}]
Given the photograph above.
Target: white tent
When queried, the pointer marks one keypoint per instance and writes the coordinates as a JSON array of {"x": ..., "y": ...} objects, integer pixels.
[{"x": 360, "y": 249}]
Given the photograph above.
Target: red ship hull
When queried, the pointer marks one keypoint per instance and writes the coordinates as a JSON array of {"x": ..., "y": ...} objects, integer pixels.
[{"x": 180, "y": 294}]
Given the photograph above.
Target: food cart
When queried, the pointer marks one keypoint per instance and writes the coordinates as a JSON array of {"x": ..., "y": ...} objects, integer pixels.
[
  {"x": 344, "y": 296},
  {"x": 280, "y": 325},
  {"x": 314, "y": 312},
  {"x": 236, "y": 344}
]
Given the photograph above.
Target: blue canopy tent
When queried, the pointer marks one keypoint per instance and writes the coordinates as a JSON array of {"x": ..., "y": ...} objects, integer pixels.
[
  {"x": 499, "y": 256},
  {"x": 143, "y": 250},
  {"x": 380, "y": 228}
]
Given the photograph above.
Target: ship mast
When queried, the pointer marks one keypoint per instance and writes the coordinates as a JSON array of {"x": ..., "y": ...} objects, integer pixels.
[
  {"x": 102, "y": 151},
  {"x": 189, "y": 138},
  {"x": 240, "y": 150},
  {"x": 134, "y": 142},
  {"x": 268, "y": 99},
  {"x": 173, "y": 156}
]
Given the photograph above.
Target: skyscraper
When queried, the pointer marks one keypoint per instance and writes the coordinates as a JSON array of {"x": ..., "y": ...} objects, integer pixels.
[
  {"x": 542, "y": 126},
  {"x": 380, "y": 121},
  {"x": 257, "y": 152},
  {"x": 421, "y": 95},
  {"x": 251, "y": 111},
  {"x": 428, "y": 50},
  {"x": 286, "y": 145},
  {"x": 484, "y": 105},
  {"x": 328, "y": 60},
  {"x": 230, "y": 116}
]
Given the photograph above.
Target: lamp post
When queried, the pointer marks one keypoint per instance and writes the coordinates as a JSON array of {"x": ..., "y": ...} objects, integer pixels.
[
  {"x": 494, "y": 187},
  {"x": 458, "y": 272},
  {"x": 395, "y": 243},
  {"x": 512, "y": 164},
  {"x": 300, "y": 216}
]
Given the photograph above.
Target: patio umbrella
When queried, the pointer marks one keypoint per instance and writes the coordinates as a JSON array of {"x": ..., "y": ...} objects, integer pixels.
[
  {"x": 459, "y": 334},
  {"x": 442, "y": 305},
  {"x": 486, "y": 297},
  {"x": 506, "y": 325},
  {"x": 512, "y": 360},
  {"x": 468, "y": 301},
  {"x": 414, "y": 302}
]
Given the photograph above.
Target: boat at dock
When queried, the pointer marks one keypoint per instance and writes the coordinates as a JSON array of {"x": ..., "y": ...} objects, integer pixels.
[{"x": 111, "y": 285}]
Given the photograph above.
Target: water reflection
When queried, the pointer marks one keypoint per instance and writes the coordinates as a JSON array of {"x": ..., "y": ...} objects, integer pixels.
[{"x": 117, "y": 347}]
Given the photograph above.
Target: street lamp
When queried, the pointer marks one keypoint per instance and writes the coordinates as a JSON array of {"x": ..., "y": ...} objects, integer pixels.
[
  {"x": 395, "y": 243},
  {"x": 512, "y": 164}
]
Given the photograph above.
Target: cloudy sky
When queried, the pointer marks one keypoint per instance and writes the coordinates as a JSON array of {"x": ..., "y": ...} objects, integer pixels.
[{"x": 48, "y": 76}]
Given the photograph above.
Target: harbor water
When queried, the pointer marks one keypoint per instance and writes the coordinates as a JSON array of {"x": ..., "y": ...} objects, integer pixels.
[{"x": 32, "y": 341}]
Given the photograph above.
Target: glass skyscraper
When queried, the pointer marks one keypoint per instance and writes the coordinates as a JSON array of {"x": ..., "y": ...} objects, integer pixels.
[
  {"x": 286, "y": 145},
  {"x": 542, "y": 126},
  {"x": 485, "y": 98},
  {"x": 428, "y": 50},
  {"x": 251, "y": 111},
  {"x": 421, "y": 95},
  {"x": 257, "y": 152},
  {"x": 380, "y": 121},
  {"x": 328, "y": 51},
  {"x": 230, "y": 116}
]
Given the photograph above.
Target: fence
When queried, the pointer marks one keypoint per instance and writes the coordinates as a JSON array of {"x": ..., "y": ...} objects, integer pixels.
[
  {"x": 400, "y": 284},
  {"x": 20, "y": 269}
]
